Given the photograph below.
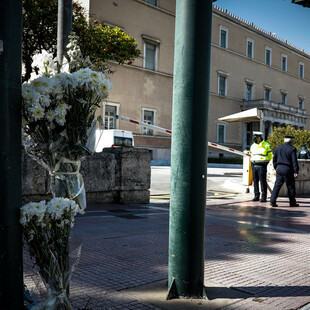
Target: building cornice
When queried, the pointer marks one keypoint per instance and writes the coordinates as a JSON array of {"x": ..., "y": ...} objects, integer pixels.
[
  {"x": 142, "y": 69},
  {"x": 250, "y": 26},
  {"x": 156, "y": 7},
  {"x": 226, "y": 97}
]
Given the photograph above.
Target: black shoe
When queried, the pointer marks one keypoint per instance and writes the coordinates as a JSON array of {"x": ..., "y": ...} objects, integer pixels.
[
  {"x": 263, "y": 200},
  {"x": 255, "y": 199},
  {"x": 273, "y": 204},
  {"x": 295, "y": 205}
]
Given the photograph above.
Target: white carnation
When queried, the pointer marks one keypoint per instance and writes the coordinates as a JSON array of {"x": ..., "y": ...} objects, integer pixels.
[
  {"x": 32, "y": 210},
  {"x": 50, "y": 115},
  {"x": 58, "y": 206},
  {"x": 37, "y": 112}
]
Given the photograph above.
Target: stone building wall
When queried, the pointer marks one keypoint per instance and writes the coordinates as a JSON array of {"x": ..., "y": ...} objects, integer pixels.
[
  {"x": 302, "y": 181},
  {"x": 116, "y": 175}
]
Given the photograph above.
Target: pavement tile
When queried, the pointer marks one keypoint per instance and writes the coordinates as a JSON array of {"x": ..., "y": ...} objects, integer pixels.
[{"x": 249, "y": 248}]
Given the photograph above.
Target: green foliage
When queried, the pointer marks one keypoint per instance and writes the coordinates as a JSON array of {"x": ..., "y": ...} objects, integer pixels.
[
  {"x": 276, "y": 138},
  {"x": 100, "y": 43},
  {"x": 39, "y": 29},
  {"x": 103, "y": 43}
]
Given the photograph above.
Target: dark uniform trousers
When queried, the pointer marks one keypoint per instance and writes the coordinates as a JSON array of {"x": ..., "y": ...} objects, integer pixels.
[
  {"x": 260, "y": 174},
  {"x": 284, "y": 174}
]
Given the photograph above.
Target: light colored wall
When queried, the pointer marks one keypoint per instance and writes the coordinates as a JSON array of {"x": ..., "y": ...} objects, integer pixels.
[
  {"x": 234, "y": 62},
  {"x": 166, "y": 5},
  {"x": 86, "y": 5},
  {"x": 137, "y": 18},
  {"x": 220, "y": 107},
  {"x": 239, "y": 66},
  {"x": 302, "y": 183},
  {"x": 135, "y": 88}
]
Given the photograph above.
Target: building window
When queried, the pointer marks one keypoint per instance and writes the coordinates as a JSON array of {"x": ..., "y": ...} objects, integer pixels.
[
  {"x": 250, "y": 48},
  {"x": 284, "y": 63},
  {"x": 221, "y": 133},
  {"x": 268, "y": 54},
  {"x": 148, "y": 116},
  {"x": 110, "y": 116},
  {"x": 223, "y": 37},
  {"x": 301, "y": 70},
  {"x": 301, "y": 103},
  {"x": 150, "y": 55},
  {"x": 153, "y": 2},
  {"x": 222, "y": 85},
  {"x": 249, "y": 91},
  {"x": 283, "y": 98},
  {"x": 267, "y": 94}
]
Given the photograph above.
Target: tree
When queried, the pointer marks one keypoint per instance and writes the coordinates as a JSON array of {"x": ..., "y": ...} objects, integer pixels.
[
  {"x": 103, "y": 43},
  {"x": 276, "y": 138},
  {"x": 39, "y": 29},
  {"x": 100, "y": 43}
]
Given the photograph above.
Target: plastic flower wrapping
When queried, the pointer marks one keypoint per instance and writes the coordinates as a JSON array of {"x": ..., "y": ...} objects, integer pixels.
[
  {"x": 58, "y": 116},
  {"x": 46, "y": 227}
]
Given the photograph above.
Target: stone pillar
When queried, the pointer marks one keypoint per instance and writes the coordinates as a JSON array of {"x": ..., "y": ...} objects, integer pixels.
[{"x": 270, "y": 129}]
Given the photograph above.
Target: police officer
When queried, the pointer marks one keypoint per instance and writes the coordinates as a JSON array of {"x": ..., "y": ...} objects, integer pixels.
[
  {"x": 260, "y": 156},
  {"x": 286, "y": 165},
  {"x": 303, "y": 153}
]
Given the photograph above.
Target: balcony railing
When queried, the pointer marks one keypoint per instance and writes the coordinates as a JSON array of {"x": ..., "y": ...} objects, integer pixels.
[{"x": 265, "y": 104}]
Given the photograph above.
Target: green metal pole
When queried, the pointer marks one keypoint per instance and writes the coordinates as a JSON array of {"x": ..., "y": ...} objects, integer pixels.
[
  {"x": 11, "y": 262},
  {"x": 189, "y": 148},
  {"x": 64, "y": 27}
]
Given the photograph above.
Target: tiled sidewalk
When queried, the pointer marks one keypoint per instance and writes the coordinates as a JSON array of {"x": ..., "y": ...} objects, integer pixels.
[{"x": 250, "y": 247}]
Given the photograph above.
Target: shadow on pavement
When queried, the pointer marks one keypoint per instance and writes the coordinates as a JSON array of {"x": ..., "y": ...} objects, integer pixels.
[
  {"x": 155, "y": 293},
  {"x": 275, "y": 291}
]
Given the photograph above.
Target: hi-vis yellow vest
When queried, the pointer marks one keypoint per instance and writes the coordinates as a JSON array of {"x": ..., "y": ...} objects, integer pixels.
[{"x": 261, "y": 153}]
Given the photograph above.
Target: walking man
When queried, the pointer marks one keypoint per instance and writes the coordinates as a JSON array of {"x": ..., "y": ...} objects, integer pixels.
[
  {"x": 260, "y": 156},
  {"x": 286, "y": 165}
]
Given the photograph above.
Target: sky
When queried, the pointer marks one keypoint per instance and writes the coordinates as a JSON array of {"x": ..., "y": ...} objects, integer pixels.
[{"x": 288, "y": 21}]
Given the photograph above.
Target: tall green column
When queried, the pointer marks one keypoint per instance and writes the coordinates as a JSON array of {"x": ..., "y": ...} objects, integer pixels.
[
  {"x": 189, "y": 148},
  {"x": 11, "y": 271},
  {"x": 64, "y": 27}
]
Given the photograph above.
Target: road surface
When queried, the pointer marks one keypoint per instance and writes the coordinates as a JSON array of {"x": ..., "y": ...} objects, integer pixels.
[{"x": 220, "y": 182}]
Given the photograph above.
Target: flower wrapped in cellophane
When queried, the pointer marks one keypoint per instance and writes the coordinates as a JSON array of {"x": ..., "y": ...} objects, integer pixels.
[
  {"x": 46, "y": 228},
  {"x": 58, "y": 115}
]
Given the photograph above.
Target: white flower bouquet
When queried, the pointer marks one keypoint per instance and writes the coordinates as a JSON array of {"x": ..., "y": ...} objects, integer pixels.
[
  {"x": 46, "y": 228},
  {"x": 57, "y": 114}
]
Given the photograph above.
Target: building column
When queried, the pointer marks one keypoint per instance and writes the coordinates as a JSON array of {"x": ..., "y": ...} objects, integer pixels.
[
  {"x": 244, "y": 136},
  {"x": 270, "y": 129},
  {"x": 262, "y": 126}
]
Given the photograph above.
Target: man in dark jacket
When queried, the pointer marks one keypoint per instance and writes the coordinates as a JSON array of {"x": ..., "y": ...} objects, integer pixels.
[
  {"x": 303, "y": 153},
  {"x": 286, "y": 165}
]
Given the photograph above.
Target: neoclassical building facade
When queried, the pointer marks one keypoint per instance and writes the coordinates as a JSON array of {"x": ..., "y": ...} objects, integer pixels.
[
  {"x": 251, "y": 70},
  {"x": 254, "y": 70}
]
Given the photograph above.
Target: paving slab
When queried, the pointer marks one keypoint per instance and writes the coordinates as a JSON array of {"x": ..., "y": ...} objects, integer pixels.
[
  {"x": 256, "y": 257},
  {"x": 217, "y": 296}
]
